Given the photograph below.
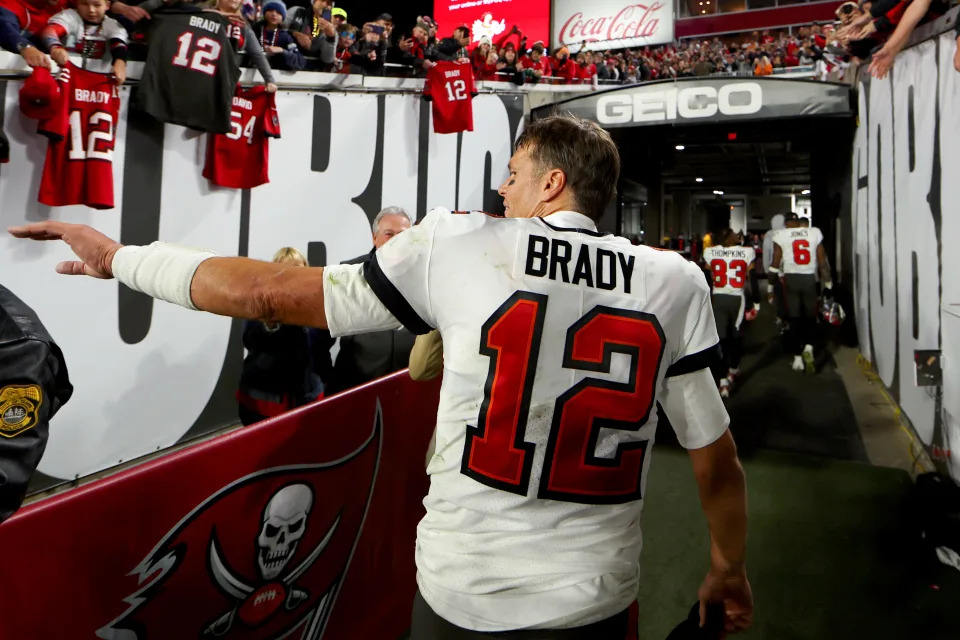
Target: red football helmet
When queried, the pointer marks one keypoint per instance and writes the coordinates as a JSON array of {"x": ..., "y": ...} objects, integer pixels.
[{"x": 833, "y": 313}]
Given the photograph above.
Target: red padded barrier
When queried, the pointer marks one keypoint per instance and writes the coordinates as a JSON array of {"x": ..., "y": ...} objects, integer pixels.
[{"x": 302, "y": 525}]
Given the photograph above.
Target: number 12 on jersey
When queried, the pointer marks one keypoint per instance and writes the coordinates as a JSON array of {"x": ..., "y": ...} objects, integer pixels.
[
  {"x": 456, "y": 90},
  {"x": 495, "y": 452}
]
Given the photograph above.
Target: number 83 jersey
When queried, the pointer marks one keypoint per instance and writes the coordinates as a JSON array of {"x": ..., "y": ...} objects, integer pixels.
[
  {"x": 79, "y": 164},
  {"x": 730, "y": 268},
  {"x": 558, "y": 342}
]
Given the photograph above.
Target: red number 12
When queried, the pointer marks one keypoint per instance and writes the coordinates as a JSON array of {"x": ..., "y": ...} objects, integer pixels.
[{"x": 495, "y": 452}]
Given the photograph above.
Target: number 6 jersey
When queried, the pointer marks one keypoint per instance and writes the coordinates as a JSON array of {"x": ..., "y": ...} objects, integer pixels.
[
  {"x": 558, "y": 342},
  {"x": 79, "y": 164}
]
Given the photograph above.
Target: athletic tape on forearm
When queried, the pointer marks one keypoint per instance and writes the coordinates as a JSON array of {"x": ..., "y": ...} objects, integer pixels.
[{"x": 160, "y": 270}]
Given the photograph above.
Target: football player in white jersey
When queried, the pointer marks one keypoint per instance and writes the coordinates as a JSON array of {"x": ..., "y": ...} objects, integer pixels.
[
  {"x": 798, "y": 257},
  {"x": 558, "y": 343},
  {"x": 730, "y": 266}
]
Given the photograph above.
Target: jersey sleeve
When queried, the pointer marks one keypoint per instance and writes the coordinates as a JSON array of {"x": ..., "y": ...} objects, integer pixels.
[
  {"x": 399, "y": 273},
  {"x": 57, "y": 127},
  {"x": 271, "y": 122},
  {"x": 113, "y": 30},
  {"x": 693, "y": 406},
  {"x": 700, "y": 343}
]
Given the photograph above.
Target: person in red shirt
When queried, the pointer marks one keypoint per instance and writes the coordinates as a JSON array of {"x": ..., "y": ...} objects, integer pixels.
[
  {"x": 588, "y": 70},
  {"x": 535, "y": 65},
  {"x": 480, "y": 56},
  {"x": 345, "y": 42},
  {"x": 21, "y": 19},
  {"x": 564, "y": 67},
  {"x": 488, "y": 70}
]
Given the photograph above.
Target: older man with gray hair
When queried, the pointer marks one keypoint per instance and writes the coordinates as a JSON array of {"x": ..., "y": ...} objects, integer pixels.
[{"x": 369, "y": 356}]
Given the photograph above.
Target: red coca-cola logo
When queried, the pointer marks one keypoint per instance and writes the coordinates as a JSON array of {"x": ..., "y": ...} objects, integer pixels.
[{"x": 632, "y": 21}]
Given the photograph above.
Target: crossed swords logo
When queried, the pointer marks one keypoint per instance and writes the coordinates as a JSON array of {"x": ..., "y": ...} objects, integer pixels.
[{"x": 236, "y": 587}]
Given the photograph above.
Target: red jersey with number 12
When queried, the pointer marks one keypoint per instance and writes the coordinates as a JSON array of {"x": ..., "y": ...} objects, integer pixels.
[
  {"x": 450, "y": 87},
  {"x": 79, "y": 165},
  {"x": 240, "y": 159}
]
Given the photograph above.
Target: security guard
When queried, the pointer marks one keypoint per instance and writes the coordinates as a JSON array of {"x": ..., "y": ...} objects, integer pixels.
[{"x": 33, "y": 387}]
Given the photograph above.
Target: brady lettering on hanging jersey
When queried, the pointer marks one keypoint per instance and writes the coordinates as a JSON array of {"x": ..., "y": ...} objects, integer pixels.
[
  {"x": 79, "y": 164},
  {"x": 798, "y": 247},
  {"x": 558, "y": 343},
  {"x": 729, "y": 268},
  {"x": 449, "y": 86},
  {"x": 240, "y": 159}
]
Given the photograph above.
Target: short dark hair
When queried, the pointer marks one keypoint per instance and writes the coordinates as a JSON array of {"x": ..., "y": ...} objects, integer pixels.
[
  {"x": 584, "y": 151},
  {"x": 464, "y": 30}
]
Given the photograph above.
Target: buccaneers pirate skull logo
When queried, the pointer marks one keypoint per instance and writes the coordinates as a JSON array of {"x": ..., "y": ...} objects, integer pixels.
[
  {"x": 262, "y": 558},
  {"x": 284, "y": 524}
]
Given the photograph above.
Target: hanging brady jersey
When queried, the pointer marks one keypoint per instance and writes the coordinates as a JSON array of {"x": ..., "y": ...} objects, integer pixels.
[
  {"x": 240, "y": 159},
  {"x": 79, "y": 165},
  {"x": 730, "y": 268},
  {"x": 798, "y": 248},
  {"x": 191, "y": 70},
  {"x": 449, "y": 86},
  {"x": 554, "y": 365}
]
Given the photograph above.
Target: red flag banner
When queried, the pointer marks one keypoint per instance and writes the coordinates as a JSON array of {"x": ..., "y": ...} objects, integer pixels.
[{"x": 302, "y": 526}]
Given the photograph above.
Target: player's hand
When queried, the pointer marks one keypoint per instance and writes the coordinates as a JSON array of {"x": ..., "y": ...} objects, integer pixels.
[
  {"x": 733, "y": 589},
  {"x": 956, "y": 57},
  {"x": 270, "y": 87},
  {"x": 119, "y": 72},
  {"x": 60, "y": 56},
  {"x": 94, "y": 249},
  {"x": 864, "y": 31},
  {"x": 428, "y": 64},
  {"x": 34, "y": 57}
]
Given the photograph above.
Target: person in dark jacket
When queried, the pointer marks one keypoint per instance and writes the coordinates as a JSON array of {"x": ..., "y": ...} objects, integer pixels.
[
  {"x": 33, "y": 386},
  {"x": 369, "y": 356},
  {"x": 281, "y": 49},
  {"x": 284, "y": 364}
]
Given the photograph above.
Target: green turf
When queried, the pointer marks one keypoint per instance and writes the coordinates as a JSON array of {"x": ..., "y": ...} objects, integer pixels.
[{"x": 830, "y": 553}]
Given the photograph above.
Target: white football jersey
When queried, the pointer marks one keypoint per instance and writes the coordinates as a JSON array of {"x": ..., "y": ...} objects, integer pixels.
[
  {"x": 558, "y": 341},
  {"x": 798, "y": 248},
  {"x": 729, "y": 268}
]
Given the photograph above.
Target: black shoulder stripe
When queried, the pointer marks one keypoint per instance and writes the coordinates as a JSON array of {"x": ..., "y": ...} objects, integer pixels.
[
  {"x": 392, "y": 299},
  {"x": 694, "y": 362}
]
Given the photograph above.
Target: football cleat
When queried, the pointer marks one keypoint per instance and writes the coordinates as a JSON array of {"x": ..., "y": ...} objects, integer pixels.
[
  {"x": 797, "y": 363},
  {"x": 808, "y": 359},
  {"x": 725, "y": 385}
]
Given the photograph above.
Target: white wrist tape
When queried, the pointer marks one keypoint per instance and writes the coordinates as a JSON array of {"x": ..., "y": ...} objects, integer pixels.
[
  {"x": 160, "y": 270},
  {"x": 774, "y": 270}
]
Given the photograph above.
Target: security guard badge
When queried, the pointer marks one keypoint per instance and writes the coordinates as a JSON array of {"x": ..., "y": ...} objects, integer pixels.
[{"x": 19, "y": 409}]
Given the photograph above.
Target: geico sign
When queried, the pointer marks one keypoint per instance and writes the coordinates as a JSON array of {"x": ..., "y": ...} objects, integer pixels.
[{"x": 671, "y": 103}]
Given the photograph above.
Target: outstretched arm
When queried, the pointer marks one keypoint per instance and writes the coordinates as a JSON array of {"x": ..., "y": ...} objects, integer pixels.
[{"x": 235, "y": 287}]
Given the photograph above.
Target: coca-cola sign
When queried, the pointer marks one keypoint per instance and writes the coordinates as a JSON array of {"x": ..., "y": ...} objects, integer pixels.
[{"x": 608, "y": 24}]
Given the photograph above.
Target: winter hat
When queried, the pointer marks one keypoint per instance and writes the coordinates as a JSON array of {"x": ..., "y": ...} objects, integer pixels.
[
  {"x": 40, "y": 96},
  {"x": 276, "y": 5}
]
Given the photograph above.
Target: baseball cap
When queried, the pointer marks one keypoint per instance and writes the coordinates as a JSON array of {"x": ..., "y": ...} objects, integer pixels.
[
  {"x": 386, "y": 17},
  {"x": 337, "y": 11},
  {"x": 40, "y": 95}
]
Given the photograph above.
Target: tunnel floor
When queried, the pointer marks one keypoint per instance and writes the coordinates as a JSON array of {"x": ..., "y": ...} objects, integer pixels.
[{"x": 832, "y": 550}]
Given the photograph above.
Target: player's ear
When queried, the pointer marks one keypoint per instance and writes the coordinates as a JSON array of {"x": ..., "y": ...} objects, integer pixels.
[{"x": 554, "y": 182}]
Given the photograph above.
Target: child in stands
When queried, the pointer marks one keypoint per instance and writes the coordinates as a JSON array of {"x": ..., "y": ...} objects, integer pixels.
[{"x": 88, "y": 31}]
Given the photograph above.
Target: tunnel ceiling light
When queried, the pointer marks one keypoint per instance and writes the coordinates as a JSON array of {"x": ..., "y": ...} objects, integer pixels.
[
  {"x": 679, "y": 147},
  {"x": 717, "y": 193},
  {"x": 805, "y": 192},
  {"x": 699, "y": 179}
]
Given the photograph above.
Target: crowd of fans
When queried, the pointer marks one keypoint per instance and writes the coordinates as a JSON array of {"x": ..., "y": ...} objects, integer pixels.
[{"x": 321, "y": 37}]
